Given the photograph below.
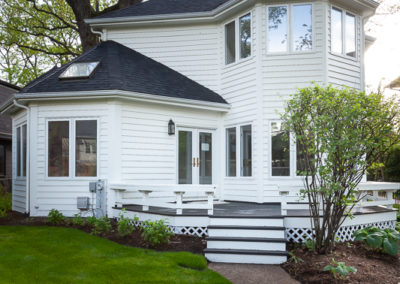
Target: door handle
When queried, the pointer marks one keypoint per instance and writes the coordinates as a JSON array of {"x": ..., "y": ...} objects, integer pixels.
[
  {"x": 194, "y": 162},
  {"x": 198, "y": 162}
]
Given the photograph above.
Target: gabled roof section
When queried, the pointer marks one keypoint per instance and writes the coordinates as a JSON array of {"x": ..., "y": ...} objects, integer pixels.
[
  {"x": 161, "y": 7},
  {"x": 122, "y": 68}
]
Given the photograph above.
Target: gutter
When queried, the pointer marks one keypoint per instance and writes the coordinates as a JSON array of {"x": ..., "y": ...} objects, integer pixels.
[{"x": 28, "y": 146}]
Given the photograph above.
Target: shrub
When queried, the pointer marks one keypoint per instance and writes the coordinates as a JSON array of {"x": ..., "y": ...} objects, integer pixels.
[
  {"x": 91, "y": 220},
  {"x": 125, "y": 226},
  {"x": 156, "y": 232},
  {"x": 386, "y": 240},
  {"x": 101, "y": 225},
  {"x": 55, "y": 217},
  {"x": 78, "y": 220},
  {"x": 5, "y": 202},
  {"x": 341, "y": 269},
  {"x": 309, "y": 244}
]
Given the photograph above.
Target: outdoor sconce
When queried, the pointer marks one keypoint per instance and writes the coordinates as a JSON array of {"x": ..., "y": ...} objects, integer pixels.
[{"x": 171, "y": 127}]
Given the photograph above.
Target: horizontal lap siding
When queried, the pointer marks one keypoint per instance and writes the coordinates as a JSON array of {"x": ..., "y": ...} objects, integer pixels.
[
  {"x": 282, "y": 74},
  {"x": 61, "y": 193},
  {"x": 189, "y": 50},
  {"x": 239, "y": 88}
]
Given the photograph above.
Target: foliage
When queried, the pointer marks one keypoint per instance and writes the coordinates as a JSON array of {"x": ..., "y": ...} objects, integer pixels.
[
  {"x": 55, "y": 217},
  {"x": 63, "y": 254},
  {"x": 387, "y": 166},
  {"x": 309, "y": 244},
  {"x": 339, "y": 269},
  {"x": 125, "y": 226},
  {"x": 386, "y": 240},
  {"x": 101, "y": 225},
  {"x": 91, "y": 220},
  {"x": 77, "y": 220},
  {"x": 294, "y": 258},
  {"x": 156, "y": 232},
  {"x": 5, "y": 202},
  {"x": 335, "y": 130}
]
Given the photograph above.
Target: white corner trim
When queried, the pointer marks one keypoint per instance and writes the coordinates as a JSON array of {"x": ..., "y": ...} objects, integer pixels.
[{"x": 103, "y": 94}]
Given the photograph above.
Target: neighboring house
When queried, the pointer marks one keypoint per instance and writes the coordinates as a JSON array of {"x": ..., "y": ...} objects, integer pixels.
[
  {"x": 180, "y": 102},
  {"x": 6, "y": 91}
]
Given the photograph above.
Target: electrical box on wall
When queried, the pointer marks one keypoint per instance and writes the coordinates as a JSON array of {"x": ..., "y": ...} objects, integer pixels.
[
  {"x": 83, "y": 203},
  {"x": 92, "y": 186}
]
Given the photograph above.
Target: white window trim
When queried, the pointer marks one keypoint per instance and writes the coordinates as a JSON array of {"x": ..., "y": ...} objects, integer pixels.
[
  {"x": 238, "y": 152},
  {"x": 344, "y": 13},
  {"x": 72, "y": 142},
  {"x": 289, "y": 31},
  {"x": 18, "y": 128},
  {"x": 238, "y": 59}
]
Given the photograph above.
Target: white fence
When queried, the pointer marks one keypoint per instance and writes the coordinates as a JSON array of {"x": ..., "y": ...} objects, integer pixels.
[{"x": 166, "y": 196}]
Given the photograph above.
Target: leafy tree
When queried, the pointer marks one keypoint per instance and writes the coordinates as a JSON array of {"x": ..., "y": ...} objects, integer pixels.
[{"x": 335, "y": 130}]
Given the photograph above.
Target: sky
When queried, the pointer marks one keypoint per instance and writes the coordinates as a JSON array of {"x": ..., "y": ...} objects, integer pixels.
[{"x": 382, "y": 59}]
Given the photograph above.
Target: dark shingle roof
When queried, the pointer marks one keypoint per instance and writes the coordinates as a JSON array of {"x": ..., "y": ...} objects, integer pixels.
[
  {"x": 163, "y": 7},
  {"x": 6, "y": 91},
  {"x": 122, "y": 68}
]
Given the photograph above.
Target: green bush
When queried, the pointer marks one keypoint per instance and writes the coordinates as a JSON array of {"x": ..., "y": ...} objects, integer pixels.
[
  {"x": 78, "y": 220},
  {"x": 309, "y": 244},
  {"x": 339, "y": 269},
  {"x": 156, "y": 232},
  {"x": 125, "y": 225},
  {"x": 101, "y": 225},
  {"x": 386, "y": 240},
  {"x": 55, "y": 217},
  {"x": 5, "y": 202},
  {"x": 91, "y": 220}
]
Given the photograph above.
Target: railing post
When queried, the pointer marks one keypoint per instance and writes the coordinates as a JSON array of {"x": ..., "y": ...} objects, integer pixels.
[
  {"x": 179, "y": 202},
  {"x": 283, "y": 195},
  {"x": 118, "y": 197},
  {"x": 145, "y": 205},
  {"x": 210, "y": 202},
  {"x": 389, "y": 197}
]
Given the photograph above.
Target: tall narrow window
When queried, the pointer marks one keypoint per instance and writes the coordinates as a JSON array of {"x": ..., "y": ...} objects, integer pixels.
[
  {"x": 185, "y": 157},
  {"x": 86, "y": 148},
  {"x": 231, "y": 152},
  {"x": 277, "y": 29},
  {"x": 280, "y": 150},
  {"x": 245, "y": 36},
  {"x": 350, "y": 35},
  {"x": 336, "y": 31},
  {"x": 245, "y": 151},
  {"x": 302, "y": 27},
  {"x": 58, "y": 149},
  {"x": 19, "y": 151},
  {"x": 24, "y": 133},
  {"x": 2, "y": 160},
  {"x": 230, "y": 53}
]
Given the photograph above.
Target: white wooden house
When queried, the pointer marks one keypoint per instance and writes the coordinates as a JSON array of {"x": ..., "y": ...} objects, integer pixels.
[{"x": 177, "y": 112}]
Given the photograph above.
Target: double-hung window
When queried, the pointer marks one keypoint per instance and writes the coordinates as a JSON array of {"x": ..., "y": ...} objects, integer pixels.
[
  {"x": 290, "y": 28},
  {"x": 343, "y": 32},
  {"x": 241, "y": 152},
  {"x": 21, "y": 150},
  {"x": 238, "y": 39},
  {"x": 72, "y": 148}
]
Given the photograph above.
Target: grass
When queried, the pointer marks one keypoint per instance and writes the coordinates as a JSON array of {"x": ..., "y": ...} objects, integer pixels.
[{"x": 64, "y": 255}]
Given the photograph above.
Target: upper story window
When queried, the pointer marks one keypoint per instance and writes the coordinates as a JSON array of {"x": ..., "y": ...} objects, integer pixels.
[
  {"x": 297, "y": 18},
  {"x": 238, "y": 37},
  {"x": 343, "y": 32}
]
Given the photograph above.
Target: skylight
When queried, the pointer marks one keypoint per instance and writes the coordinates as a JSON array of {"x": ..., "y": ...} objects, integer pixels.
[{"x": 79, "y": 70}]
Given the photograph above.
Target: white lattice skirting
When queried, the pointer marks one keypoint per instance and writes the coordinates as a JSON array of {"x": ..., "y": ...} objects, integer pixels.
[{"x": 344, "y": 234}]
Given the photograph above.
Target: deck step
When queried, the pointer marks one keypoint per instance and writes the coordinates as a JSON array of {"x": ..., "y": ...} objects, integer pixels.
[
  {"x": 245, "y": 256},
  {"x": 261, "y": 244},
  {"x": 246, "y": 221},
  {"x": 247, "y": 231}
]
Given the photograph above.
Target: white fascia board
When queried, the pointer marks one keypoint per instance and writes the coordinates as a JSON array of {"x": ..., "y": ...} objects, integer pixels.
[
  {"x": 106, "y": 94},
  {"x": 196, "y": 17}
]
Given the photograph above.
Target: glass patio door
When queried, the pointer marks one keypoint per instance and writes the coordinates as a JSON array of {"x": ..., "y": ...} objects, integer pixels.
[{"x": 195, "y": 165}]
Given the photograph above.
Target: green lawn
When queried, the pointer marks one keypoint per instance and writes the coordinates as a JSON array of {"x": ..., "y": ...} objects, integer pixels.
[{"x": 62, "y": 255}]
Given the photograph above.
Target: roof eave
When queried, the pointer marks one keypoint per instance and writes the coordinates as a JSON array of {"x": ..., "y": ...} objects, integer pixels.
[{"x": 106, "y": 94}]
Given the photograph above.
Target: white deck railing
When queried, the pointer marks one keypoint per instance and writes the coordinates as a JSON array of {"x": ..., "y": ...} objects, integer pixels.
[
  {"x": 166, "y": 196},
  {"x": 369, "y": 191}
]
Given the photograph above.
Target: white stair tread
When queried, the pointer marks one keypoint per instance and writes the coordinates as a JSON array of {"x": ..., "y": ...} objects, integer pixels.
[
  {"x": 245, "y": 251},
  {"x": 247, "y": 239}
]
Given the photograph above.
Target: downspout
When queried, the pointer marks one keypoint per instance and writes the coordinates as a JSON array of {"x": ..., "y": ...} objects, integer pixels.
[
  {"x": 102, "y": 34},
  {"x": 28, "y": 146}
]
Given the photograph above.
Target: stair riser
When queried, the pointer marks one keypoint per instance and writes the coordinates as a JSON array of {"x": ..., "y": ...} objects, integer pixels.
[
  {"x": 246, "y": 222},
  {"x": 246, "y": 245},
  {"x": 243, "y": 258},
  {"x": 247, "y": 233}
]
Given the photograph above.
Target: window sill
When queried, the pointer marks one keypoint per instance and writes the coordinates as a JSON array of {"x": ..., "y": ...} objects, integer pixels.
[
  {"x": 355, "y": 59},
  {"x": 268, "y": 53},
  {"x": 243, "y": 60},
  {"x": 71, "y": 178},
  {"x": 236, "y": 178}
]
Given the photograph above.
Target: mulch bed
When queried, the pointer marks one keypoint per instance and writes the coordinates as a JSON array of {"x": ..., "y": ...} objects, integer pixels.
[
  {"x": 177, "y": 242},
  {"x": 372, "y": 266}
]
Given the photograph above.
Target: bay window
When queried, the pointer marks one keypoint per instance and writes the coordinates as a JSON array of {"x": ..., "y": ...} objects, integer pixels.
[
  {"x": 69, "y": 136},
  {"x": 280, "y": 150},
  {"x": 297, "y": 18},
  {"x": 343, "y": 32},
  {"x": 239, "y": 151},
  {"x": 238, "y": 39},
  {"x": 21, "y": 149},
  {"x": 230, "y": 42},
  {"x": 231, "y": 152}
]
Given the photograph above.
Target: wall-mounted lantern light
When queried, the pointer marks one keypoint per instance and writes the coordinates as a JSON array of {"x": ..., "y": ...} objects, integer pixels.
[{"x": 171, "y": 127}]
